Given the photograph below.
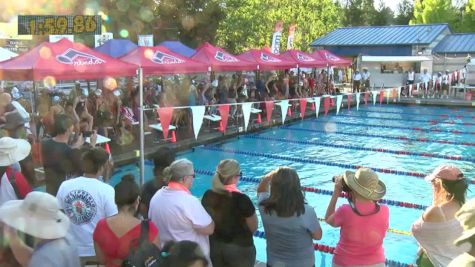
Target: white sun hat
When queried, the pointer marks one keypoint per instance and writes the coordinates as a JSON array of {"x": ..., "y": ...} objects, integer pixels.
[
  {"x": 38, "y": 215},
  {"x": 13, "y": 150}
]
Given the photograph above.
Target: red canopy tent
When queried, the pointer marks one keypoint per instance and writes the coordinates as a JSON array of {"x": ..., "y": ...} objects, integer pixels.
[
  {"x": 63, "y": 60},
  {"x": 303, "y": 59},
  {"x": 331, "y": 59},
  {"x": 266, "y": 60},
  {"x": 218, "y": 59},
  {"x": 160, "y": 60}
]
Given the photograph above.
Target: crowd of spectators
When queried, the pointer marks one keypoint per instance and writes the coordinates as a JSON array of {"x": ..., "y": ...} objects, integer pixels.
[{"x": 82, "y": 220}]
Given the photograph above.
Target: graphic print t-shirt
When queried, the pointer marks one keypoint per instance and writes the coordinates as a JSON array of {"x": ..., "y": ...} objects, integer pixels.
[{"x": 86, "y": 201}]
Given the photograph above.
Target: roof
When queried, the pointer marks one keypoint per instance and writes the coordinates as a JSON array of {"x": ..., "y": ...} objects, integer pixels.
[
  {"x": 116, "y": 47},
  {"x": 394, "y": 58},
  {"x": 456, "y": 43},
  {"x": 382, "y": 35},
  {"x": 179, "y": 47}
]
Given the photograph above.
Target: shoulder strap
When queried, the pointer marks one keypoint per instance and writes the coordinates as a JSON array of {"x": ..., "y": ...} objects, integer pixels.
[
  {"x": 144, "y": 231},
  {"x": 11, "y": 175}
]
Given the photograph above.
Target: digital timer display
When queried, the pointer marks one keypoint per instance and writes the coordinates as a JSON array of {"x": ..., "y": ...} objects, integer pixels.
[{"x": 59, "y": 25}]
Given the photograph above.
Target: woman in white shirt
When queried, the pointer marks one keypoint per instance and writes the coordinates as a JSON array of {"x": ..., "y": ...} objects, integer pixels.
[{"x": 437, "y": 228}]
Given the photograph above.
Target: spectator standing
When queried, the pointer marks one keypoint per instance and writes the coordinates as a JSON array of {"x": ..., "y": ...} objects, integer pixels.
[
  {"x": 425, "y": 79},
  {"x": 366, "y": 79},
  {"x": 437, "y": 228},
  {"x": 86, "y": 200},
  {"x": 445, "y": 84},
  {"x": 60, "y": 160},
  {"x": 182, "y": 254},
  {"x": 13, "y": 185},
  {"x": 289, "y": 223},
  {"x": 115, "y": 236},
  {"x": 234, "y": 216},
  {"x": 161, "y": 159},
  {"x": 466, "y": 217},
  {"x": 39, "y": 216},
  {"x": 411, "y": 76},
  {"x": 177, "y": 213},
  {"x": 362, "y": 215},
  {"x": 357, "y": 81}
]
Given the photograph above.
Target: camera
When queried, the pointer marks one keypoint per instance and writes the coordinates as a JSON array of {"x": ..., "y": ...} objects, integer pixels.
[{"x": 344, "y": 186}]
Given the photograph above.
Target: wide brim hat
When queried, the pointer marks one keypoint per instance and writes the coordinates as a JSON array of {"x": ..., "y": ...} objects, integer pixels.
[
  {"x": 13, "y": 150},
  {"x": 366, "y": 183},
  {"x": 38, "y": 215}
]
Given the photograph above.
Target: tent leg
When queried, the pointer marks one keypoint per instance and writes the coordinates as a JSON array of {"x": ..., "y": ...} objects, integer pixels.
[{"x": 142, "y": 141}]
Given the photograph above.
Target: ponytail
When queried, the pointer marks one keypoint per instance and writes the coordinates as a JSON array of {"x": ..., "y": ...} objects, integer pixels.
[{"x": 456, "y": 190}]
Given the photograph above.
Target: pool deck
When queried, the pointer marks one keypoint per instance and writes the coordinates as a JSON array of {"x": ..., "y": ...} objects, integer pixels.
[
  {"x": 127, "y": 154},
  {"x": 208, "y": 134}
]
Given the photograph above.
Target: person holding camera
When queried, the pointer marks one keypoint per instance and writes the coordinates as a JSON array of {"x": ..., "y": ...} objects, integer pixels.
[{"x": 363, "y": 221}]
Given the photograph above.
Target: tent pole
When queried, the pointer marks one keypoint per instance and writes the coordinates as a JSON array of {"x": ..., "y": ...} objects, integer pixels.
[{"x": 142, "y": 149}]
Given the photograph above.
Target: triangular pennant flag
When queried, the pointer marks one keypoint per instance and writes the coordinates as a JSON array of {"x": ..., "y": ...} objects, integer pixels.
[
  {"x": 326, "y": 104},
  {"x": 284, "y": 105},
  {"x": 165, "y": 115},
  {"x": 224, "y": 113},
  {"x": 198, "y": 113},
  {"x": 317, "y": 105},
  {"x": 381, "y": 97},
  {"x": 410, "y": 91},
  {"x": 107, "y": 148},
  {"x": 269, "y": 109},
  {"x": 366, "y": 97},
  {"x": 339, "y": 99},
  {"x": 399, "y": 92},
  {"x": 374, "y": 93},
  {"x": 349, "y": 99},
  {"x": 303, "y": 107},
  {"x": 388, "y": 94},
  {"x": 358, "y": 101},
  {"x": 246, "y": 112}
]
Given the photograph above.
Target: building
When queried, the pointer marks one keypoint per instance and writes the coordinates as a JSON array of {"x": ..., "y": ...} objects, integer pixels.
[{"x": 389, "y": 51}]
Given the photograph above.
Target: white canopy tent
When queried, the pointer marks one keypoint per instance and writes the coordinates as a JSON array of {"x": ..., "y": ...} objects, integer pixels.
[
  {"x": 394, "y": 58},
  {"x": 6, "y": 54}
]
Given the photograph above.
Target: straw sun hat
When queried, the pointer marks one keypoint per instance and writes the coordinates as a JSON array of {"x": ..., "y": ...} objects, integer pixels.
[
  {"x": 38, "y": 215},
  {"x": 13, "y": 150},
  {"x": 366, "y": 183}
]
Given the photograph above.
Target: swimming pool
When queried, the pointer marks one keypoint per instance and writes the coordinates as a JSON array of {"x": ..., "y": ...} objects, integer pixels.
[{"x": 403, "y": 143}]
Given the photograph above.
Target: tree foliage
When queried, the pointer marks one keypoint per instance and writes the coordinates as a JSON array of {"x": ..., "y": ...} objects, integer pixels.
[
  {"x": 383, "y": 15},
  {"x": 467, "y": 23},
  {"x": 405, "y": 11},
  {"x": 190, "y": 21},
  {"x": 250, "y": 24},
  {"x": 435, "y": 11}
]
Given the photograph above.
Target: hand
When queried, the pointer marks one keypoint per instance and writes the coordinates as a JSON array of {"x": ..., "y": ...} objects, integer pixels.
[
  {"x": 338, "y": 185},
  {"x": 93, "y": 138}
]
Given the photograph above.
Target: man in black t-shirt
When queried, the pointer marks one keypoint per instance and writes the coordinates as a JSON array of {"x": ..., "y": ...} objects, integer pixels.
[
  {"x": 60, "y": 160},
  {"x": 161, "y": 159}
]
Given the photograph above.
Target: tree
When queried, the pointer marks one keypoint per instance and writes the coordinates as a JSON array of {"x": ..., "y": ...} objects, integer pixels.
[
  {"x": 249, "y": 24},
  {"x": 190, "y": 21},
  {"x": 383, "y": 15},
  {"x": 405, "y": 11},
  {"x": 468, "y": 17},
  {"x": 435, "y": 11},
  {"x": 359, "y": 13}
]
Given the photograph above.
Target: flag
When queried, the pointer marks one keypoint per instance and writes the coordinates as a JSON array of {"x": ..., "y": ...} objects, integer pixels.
[
  {"x": 276, "y": 37},
  {"x": 290, "y": 38}
]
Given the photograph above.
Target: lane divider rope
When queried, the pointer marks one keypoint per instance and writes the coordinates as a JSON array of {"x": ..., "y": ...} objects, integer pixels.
[
  {"x": 380, "y": 150},
  {"x": 417, "y": 114},
  {"x": 404, "y": 138},
  {"x": 331, "y": 250},
  {"x": 406, "y": 120},
  {"x": 326, "y": 192},
  {"x": 318, "y": 162},
  {"x": 395, "y": 127}
]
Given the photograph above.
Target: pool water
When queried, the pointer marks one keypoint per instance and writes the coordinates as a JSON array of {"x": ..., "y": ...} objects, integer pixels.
[{"x": 407, "y": 141}]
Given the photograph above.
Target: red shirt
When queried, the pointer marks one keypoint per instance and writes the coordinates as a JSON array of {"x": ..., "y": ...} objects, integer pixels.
[{"x": 117, "y": 248}]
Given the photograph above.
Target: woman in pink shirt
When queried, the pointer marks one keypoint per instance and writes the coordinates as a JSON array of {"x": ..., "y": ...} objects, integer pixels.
[{"x": 363, "y": 221}]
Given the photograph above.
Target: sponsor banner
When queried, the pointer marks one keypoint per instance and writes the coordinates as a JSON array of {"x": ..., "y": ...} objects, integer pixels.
[
  {"x": 17, "y": 46},
  {"x": 269, "y": 58},
  {"x": 302, "y": 57},
  {"x": 55, "y": 38},
  {"x": 165, "y": 59},
  {"x": 277, "y": 37},
  {"x": 290, "y": 38},
  {"x": 100, "y": 39},
  {"x": 225, "y": 57},
  {"x": 78, "y": 58},
  {"x": 145, "y": 40}
]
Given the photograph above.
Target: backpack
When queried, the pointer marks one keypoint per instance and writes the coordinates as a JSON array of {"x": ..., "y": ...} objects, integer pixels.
[
  {"x": 19, "y": 183},
  {"x": 145, "y": 253}
]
